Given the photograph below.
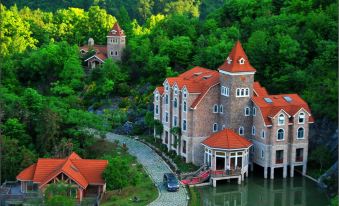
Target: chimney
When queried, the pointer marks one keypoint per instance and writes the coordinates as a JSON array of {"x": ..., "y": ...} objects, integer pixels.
[{"x": 90, "y": 42}]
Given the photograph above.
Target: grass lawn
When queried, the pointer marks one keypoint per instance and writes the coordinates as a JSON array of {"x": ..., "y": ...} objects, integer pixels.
[{"x": 144, "y": 190}]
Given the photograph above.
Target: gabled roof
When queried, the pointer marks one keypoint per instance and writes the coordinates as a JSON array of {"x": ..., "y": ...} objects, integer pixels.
[
  {"x": 100, "y": 51},
  {"x": 259, "y": 90},
  {"x": 116, "y": 30},
  {"x": 232, "y": 63},
  {"x": 226, "y": 139},
  {"x": 81, "y": 171},
  {"x": 278, "y": 103},
  {"x": 196, "y": 80},
  {"x": 160, "y": 90}
]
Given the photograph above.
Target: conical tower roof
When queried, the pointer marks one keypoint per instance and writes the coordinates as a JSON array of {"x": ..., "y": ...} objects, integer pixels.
[
  {"x": 237, "y": 61},
  {"x": 116, "y": 31}
]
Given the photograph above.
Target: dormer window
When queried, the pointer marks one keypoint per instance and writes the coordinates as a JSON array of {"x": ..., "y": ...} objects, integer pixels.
[
  {"x": 301, "y": 118},
  {"x": 242, "y": 61},
  {"x": 229, "y": 60},
  {"x": 281, "y": 119}
]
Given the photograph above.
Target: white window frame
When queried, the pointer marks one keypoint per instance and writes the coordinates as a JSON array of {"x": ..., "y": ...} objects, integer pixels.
[
  {"x": 175, "y": 90},
  {"x": 283, "y": 119},
  {"x": 166, "y": 99},
  {"x": 184, "y": 93},
  {"x": 184, "y": 106},
  {"x": 175, "y": 121},
  {"x": 278, "y": 134},
  {"x": 166, "y": 117},
  {"x": 227, "y": 91},
  {"x": 156, "y": 109},
  {"x": 241, "y": 128},
  {"x": 303, "y": 133},
  {"x": 175, "y": 103},
  {"x": 242, "y": 92},
  {"x": 249, "y": 111},
  {"x": 221, "y": 109},
  {"x": 242, "y": 61},
  {"x": 215, "y": 106},
  {"x": 301, "y": 114},
  {"x": 166, "y": 87},
  {"x": 262, "y": 156},
  {"x": 253, "y": 130},
  {"x": 223, "y": 91},
  {"x": 254, "y": 111},
  {"x": 215, "y": 127},
  {"x": 184, "y": 125},
  {"x": 223, "y": 127}
]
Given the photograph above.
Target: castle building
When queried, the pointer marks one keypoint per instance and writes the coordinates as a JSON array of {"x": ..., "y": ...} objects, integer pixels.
[
  {"x": 228, "y": 120},
  {"x": 116, "y": 43}
]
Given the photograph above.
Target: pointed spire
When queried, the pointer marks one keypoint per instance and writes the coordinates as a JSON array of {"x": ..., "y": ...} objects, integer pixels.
[
  {"x": 116, "y": 30},
  {"x": 237, "y": 61}
]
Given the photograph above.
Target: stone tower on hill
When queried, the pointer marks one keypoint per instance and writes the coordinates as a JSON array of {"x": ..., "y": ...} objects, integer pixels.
[{"x": 116, "y": 42}]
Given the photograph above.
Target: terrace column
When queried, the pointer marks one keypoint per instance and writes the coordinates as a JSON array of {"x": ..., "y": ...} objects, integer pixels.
[
  {"x": 304, "y": 168},
  {"x": 292, "y": 170},
  {"x": 285, "y": 171},
  {"x": 272, "y": 173},
  {"x": 265, "y": 172}
]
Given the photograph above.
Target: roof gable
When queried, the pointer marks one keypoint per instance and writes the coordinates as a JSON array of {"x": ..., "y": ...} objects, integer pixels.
[{"x": 116, "y": 30}]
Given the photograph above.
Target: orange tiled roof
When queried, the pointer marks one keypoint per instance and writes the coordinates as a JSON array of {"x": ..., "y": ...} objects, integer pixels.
[
  {"x": 100, "y": 51},
  {"x": 234, "y": 66},
  {"x": 160, "y": 90},
  {"x": 269, "y": 110},
  {"x": 82, "y": 171},
  {"x": 259, "y": 90},
  {"x": 227, "y": 139},
  {"x": 116, "y": 31},
  {"x": 196, "y": 80}
]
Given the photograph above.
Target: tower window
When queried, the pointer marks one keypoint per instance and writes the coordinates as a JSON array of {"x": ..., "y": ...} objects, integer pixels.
[
  {"x": 247, "y": 111},
  {"x": 215, "y": 108},
  {"x": 221, "y": 109},
  {"x": 215, "y": 127},
  {"x": 301, "y": 118},
  {"x": 254, "y": 111},
  {"x": 185, "y": 106},
  {"x": 111, "y": 53},
  {"x": 184, "y": 126},
  {"x": 242, "y": 92},
  {"x": 242, "y": 61},
  {"x": 253, "y": 130},
  {"x": 116, "y": 53},
  {"x": 281, "y": 119},
  {"x": 241, "y": 130},
  {"x": 263, "y": 134},
  {"x": 300, "y": 133}
]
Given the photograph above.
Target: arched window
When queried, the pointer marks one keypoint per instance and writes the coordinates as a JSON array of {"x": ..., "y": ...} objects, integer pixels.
[
  {"x": 242, "y": 92},
  {"x": 247, "y": 111},
  {"x": 247, "y": 92},
  {"x": 221, "y": 109},
  {"x": 281, "y": 119},
  {"x": 185, "y": 106},
  {"x": 238, "y": 92},
  {"x": 263, "y": 134},
  {"x": 241, "y": 130},
  {"x": 301, "y": 118},
  {"x": 166, "y": 99},
  {"x": 166, "y": 87},
  {"x": 280, "y": 134},
  {"x": 156, "y": 109},
  {"x": 184, "y": 127},
  {"x": 175, "y": 90},
  {"x": 253, "y": 130},
  {"x": 215, "y": 108},
  {"x": 175, "y": 103},
  {"x": 215, "y": 127},
  {"x": 254, "y": 111},
  {"x": 300, "y": 133},
  {"x": 184, "y": 93}
]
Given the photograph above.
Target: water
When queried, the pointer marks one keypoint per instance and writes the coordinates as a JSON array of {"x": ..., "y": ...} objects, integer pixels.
[{"x": 257, "y": 191}]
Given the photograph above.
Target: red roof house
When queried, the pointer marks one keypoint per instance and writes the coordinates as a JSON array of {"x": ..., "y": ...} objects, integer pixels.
[{"x": 85, "y": 174}]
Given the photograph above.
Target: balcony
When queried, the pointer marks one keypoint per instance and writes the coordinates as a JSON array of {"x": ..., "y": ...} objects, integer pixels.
[
  {"x": 225, "y": 173},
  {"x": 279, "y": 161},
  {"x": 299, "y": 159}
]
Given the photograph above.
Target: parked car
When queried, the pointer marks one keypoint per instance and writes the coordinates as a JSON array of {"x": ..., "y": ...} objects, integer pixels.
[{"x": 171, "y": 182}]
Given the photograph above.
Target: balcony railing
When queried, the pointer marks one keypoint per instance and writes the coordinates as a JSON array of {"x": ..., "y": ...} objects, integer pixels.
[
  {"x": 279, "y": 161},
  {"x": 299, "y": 159},
  {"x": 225, "y": 173}
]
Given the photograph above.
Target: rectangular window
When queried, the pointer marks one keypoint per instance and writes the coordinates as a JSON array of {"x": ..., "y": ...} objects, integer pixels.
[
  {"x": 262, "y": 154},
  {"x": 254, "y": 111},
  {"x": 166, "y": 117},
  {"x": 156, "y": 109},
  {"x": 247, "y": 111},
  {"x": 279, "y": 156},
  {"x": 215, "y": 127},
  {"x": 299, "y": 155},
  {"x": 175, "y": 121},
  {"x": 184, "y": 146},
  {"x": 184, "y": 126},
  {"x": 227, "y": 91}
]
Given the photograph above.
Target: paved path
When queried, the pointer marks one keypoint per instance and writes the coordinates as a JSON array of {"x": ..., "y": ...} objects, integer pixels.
[{"x": 155, "y": 167}]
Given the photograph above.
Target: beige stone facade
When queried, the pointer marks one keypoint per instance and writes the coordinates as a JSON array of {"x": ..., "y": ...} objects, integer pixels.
[{"x": 202, "y": 102}]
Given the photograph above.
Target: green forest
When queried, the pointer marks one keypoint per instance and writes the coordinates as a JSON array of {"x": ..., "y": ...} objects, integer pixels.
[{"x": 47, "y": 98}]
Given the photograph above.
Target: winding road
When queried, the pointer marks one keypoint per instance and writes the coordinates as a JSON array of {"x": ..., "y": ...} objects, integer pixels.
[{"x": 155, "y": 167}]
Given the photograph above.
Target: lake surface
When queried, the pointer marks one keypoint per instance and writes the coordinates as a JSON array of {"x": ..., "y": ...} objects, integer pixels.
[{"x": 257, "y": 191}]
